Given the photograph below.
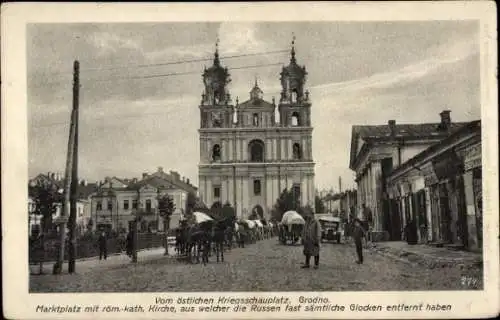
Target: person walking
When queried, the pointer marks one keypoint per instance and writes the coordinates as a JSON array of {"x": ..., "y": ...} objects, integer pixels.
[
  {"x": 103, "y": 246},
  {"x": 358, "y": 233},
  {"x": 311, "y": 238}
]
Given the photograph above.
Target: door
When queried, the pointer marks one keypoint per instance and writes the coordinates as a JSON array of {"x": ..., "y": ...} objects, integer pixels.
[
  {"x": 462, "y": 232},
  {"x": 395, "y": 221},
  {"x": 444, "y": 213},
  {"x": 478, "y": 203}
]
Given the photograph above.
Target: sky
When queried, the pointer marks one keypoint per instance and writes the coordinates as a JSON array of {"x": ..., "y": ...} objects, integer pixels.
[{"x": 358, "y": 73}]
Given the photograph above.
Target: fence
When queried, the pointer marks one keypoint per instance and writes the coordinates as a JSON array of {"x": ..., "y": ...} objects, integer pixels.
[{"x": 88, "y": 246}]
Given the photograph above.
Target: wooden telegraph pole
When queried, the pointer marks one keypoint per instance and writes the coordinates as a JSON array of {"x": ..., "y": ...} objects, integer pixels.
[
  {"x": 74, "y": 171},
  {"x": 68, "y": 178}
]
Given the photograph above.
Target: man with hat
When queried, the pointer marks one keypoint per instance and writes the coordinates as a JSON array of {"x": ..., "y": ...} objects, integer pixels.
[
  {"x": 311, "y": 237},
  {"x": 358, "y": 233}
]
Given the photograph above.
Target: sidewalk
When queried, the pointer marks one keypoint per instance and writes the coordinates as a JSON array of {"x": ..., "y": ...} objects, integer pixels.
[
  {"x": 89, "y": 264},
  {"x": 430, "y": 257}
]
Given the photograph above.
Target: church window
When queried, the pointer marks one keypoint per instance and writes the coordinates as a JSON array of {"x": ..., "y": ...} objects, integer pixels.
[
  {"x": 297, "y": 152},
  {"x": 217, "y": 192},
  {"x": 256, "y": 187},
  {"x": 148, "y": 205},
  {"x": 256, "y": 119},
  {"x": 256, "y": 151},
  {"x": 295, "y": 119},
  {"x": 216, "y": 153}
]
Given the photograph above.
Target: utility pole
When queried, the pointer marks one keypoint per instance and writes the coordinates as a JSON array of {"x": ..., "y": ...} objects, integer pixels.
[
  {"x": 65, "y": 212},
  {"x": 74, "y": 171}
]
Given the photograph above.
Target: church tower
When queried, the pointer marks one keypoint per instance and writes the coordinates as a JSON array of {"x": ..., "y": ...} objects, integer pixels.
[{"x": 249, "y": 162}]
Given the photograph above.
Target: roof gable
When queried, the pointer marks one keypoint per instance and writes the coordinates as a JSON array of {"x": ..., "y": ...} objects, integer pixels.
[
  {"x": 114, "y": 183},
  {"x": 255, "y": 104}
]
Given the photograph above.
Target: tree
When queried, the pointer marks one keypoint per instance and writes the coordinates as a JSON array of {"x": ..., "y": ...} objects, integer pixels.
[
  {"x": 284, "y": 203},
  {"x": 191, "y": 201},
  {"x": 166, "y": 208},
  {"x": 46, "y": 199},
  {"x": 319, "y": 204},
  {"x": 228, "y": 212}
]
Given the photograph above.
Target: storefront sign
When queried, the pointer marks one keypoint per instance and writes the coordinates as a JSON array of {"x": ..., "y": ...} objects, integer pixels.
[
  {"x": 447, "y": 165},
  {"x": 472, "y": 158}
]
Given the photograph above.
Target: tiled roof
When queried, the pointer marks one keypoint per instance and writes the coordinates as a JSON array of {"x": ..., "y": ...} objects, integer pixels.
[
  {"x": 408, "y": 131},
  {"x": 160, "y": 180}
]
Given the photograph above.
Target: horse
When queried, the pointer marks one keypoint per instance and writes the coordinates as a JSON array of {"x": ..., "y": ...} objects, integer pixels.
[{"x": 218, "y": 237}]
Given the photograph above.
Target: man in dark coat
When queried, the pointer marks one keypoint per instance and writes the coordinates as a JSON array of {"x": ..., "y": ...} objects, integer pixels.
[
  {"x": 130, "y": 243},
  {"x": 358, "y": 233},
  {"x": 311, "y": 236},
  {"x": 103, "y": 246}
]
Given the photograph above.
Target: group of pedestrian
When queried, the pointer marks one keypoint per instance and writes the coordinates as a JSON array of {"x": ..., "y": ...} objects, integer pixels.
[
  {"x": 103, "y": 245},
  {"x": 357, "y": 229}
]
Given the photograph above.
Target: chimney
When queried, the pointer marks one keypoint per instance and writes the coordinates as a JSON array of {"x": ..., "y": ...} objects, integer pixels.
[
  {"x": 53, "y": 176},
  {"x": 392, "y": 127},
  {"x": 445, "y": 119},
  {"x": 183, "y": 179},
  {"x": 160, "y": 169},
  {"x": 144, "y": 175},
  {"x": 187, "y": 181}
]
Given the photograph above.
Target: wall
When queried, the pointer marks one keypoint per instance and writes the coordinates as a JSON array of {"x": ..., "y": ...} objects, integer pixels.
[{"x": 409, "y": 151}]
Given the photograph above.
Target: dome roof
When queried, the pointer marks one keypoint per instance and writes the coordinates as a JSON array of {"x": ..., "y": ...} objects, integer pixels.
[{"x": 256, "y": 92}]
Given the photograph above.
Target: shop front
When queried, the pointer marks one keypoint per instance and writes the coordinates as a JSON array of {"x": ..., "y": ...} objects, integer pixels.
[{"x": 472, "y": 182}]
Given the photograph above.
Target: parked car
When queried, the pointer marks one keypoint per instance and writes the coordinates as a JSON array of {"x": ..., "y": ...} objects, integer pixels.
[{"x": 331, "y": 229}]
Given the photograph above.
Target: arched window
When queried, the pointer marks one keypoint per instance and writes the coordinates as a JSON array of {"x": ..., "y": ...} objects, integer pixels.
[
  {"x": 256, "y": 148},
  {"x": 148, "y": 205},
  {"x": 295, "y": 119},
  {"x": 297, "y": 151},
  {"x": 216, "y": 153}
]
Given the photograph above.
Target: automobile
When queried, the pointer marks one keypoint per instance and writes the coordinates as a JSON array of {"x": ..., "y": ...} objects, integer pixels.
[{"x": 331, "y": 229}]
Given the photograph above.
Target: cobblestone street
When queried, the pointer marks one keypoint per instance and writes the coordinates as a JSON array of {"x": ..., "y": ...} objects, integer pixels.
[{"x": 264, "y": 266}]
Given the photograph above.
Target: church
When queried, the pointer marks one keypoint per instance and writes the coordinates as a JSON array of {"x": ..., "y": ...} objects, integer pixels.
[{"x": 247, "y": 156}]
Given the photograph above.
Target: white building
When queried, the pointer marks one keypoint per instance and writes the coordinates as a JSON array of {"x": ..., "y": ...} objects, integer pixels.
[{"x": 117, "y": 200}]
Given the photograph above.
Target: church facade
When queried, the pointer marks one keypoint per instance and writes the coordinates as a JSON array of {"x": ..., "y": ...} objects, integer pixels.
[{"x": 247, "y": 155}]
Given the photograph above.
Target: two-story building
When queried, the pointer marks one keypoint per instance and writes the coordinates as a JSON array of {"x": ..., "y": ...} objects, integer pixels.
[
  {"x": 115, "y": 204},
  {"x": 376, "y": 150}
]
